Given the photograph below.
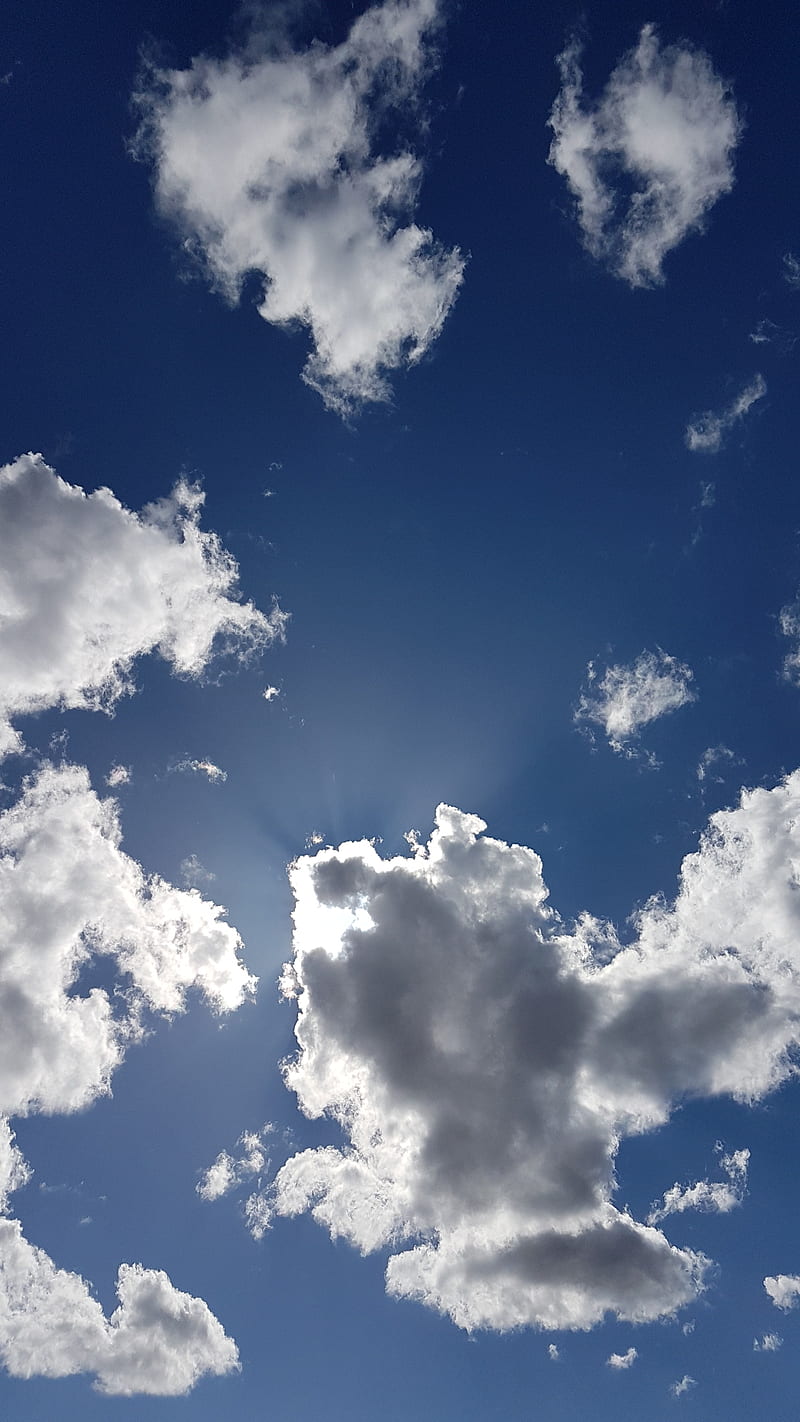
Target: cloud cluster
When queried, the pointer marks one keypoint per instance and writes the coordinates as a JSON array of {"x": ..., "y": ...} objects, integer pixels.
[
  {"x": 68, "y": 895},
  {"x": 717, "y": 1195},
  {"x": 666, "y": 127},
  {"x": 213, "y": 773},
  {"x": 484, "y": 1062},
  {"x": 266, "y": 161},
  {"x": 705, "y": 433},
  {"x": 769, "y": 1343},
  {"x": 228, "y": 1171},
  {"x": 783, "y": 1289},
  {"x": 86, "y": 587},
  {"x": 626, "y": 698},
  {"x": 790, "y": 627}
]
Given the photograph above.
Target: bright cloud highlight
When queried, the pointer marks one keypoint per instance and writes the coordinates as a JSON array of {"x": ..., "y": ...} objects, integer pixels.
[
  {"x": 266, "y": 161},
  {"x": 665, "y": 124},
  {"x": 783, "y": 1289},
  {"x": 86, "y": 587},
  {"x": 718, "y": 1195}
]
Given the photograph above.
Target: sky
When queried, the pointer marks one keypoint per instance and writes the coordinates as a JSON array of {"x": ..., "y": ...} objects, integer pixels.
[{"x": 399, "y": 690}]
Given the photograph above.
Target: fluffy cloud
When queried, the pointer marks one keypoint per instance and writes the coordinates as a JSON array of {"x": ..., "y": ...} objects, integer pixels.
[
  {"x": 626, "y": 698},
  {"x": 230, "y": 1171},
  {"x": 621, "y": 1361},
  {"x": 158, "y": 1341},
  {"x": 783, "y": 1289},
  {"x": 718, "y": 1195},
  {"x": 485, "y": 1062},
  {"x": 69, "y": 894},
  {"x": 706, "y": 432},
  {"x": 86, "y": 586},
  {"x": 666, "y": 125},
  {"x": 265, "y": 160}
]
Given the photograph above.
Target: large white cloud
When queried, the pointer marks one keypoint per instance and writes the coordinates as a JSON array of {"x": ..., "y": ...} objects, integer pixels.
[
  {"x": 626, "y": 698},
  {"x": 666, "y": 125},
  {"x": 69, "y": 893},
  {"x": 86, "y": 587},
  {"x": 705, "y": 433},
  {"x": 158, "y": 1341},
  {"x": 484, "y": 1062},
  {"x": 783, "y": 1289},
  {"x": 265, "y": 160}
]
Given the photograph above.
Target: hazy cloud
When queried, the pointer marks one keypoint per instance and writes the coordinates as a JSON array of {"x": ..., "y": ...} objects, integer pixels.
[
  {"x": 769, "y": 1343},
  {"x": 705, "y": 433},
  {"x": 683, "y": 1385},
  {"x": 86, "y": 587},
  {"x": 266, "y": 160},
  {"x": 666, "y": 125},
  {"x": 626, "y": 698}
]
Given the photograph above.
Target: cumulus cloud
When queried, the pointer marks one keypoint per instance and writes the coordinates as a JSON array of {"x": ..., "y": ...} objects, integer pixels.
[
  {"x": 718, "y": 1195},
  {"x": 626, "y": 698},
  {"x": 266, "y": 160},
  {"x": 783, "y": 1289},
  {"x": 158, "y": 1341},
  {"x": 86, "y": 587},
  {"x": 230, "y": 1171},
  {"x": 68, "y": 895},
  {"x": 705, "y": 433},
  {"x": 621, "y": 1361},
  {"x": 484, "y": 1061},
  {"x": 665, "y": 129},
  {"x": 769, "y": 1343}
]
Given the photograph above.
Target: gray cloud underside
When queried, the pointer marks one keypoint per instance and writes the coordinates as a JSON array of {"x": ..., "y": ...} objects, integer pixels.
[{"x": 485, "y": 1062}]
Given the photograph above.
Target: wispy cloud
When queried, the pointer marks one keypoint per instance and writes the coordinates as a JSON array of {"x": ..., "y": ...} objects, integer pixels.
[
  {"x": 705, "y": 433},
  {"x": 626, "y": 698},
  {"x": 718, "y": 1196},
  {"x": 665, "y": 124}
]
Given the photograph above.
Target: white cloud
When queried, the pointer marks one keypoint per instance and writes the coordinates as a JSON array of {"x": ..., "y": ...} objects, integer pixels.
[
  {"x": 265, "y": 160},
  {"x": 769, "y": 333},
  {"x": 667, "y": 125},
  {"x": 228, "y": 1172},
  {"x": 783, "y": 1289},
  {"x": 271, "y": 692},
  {"x": 119, "y": 775},
  {"x": 553, "y": 1353},
  {"x": 621, "y": 1361},
  {"x": 683, "y": 1385},
  {"x": 86, "y": 587},
  {"x": 158, "y": 1341},
  {"x": 706, "y": 432},
  {"x": 770, "y": 1343},
  {"x": 629, "y": 697},
  {"x": 212, "y": 772},
  {"x": 68, "y": 894},
  {"x": 485, "y": 1062},
  {"x": 719, "y": 1195},
  {"x": 791, "y": 270}
]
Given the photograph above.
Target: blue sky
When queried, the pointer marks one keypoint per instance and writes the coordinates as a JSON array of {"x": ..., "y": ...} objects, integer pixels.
[{"x": 514, "y": 453}]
